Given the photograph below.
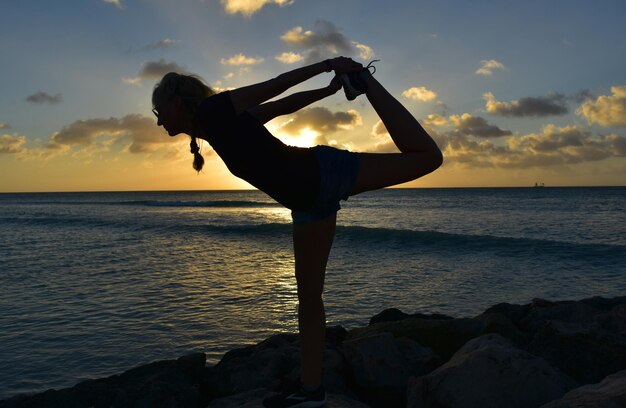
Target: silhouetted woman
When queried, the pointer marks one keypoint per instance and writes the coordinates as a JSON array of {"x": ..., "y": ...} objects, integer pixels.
[{"x": 309, "y": 181}]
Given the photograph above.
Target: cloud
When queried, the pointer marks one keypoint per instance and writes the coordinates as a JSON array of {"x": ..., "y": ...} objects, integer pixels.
[
  {"x": 553, "y": 104},
  {"x": 289, "y": 57},
  {"x": 321, "y": 120},
  {"x": 365, "y": 52},
  {"x": 139, "y": 134},
  {"x": 477, "y": 126},
  {"x": 488, "y": 66},
  {"x": 240, "y": 59},
  {"x": 42, "y": 97},
  {"x": 379, "y": 130},
  {"x": 248, "y": 7},
  {"x": 154, "y": 70},
  {"x": 553, "y": 146},
  {"x": 419, "y": 93},
  {"x": 161, "y": 45},
  {"x": 606, "y": 110},
  {"x": 11, "y": 144},
  {"x": 434, "y": 119},
  {"x": 325, "y": 41},
  {"x": 384, "y": 143},
  {"x": 117, "y": 3}
]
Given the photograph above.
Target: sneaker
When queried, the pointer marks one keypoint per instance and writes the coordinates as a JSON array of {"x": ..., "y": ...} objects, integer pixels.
[
  {"x": 355, "y": 83},
  {"x": 297, "y": 399}
]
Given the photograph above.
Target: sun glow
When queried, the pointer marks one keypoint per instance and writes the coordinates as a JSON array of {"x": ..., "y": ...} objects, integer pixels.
[{"x": 305, "y": 138}]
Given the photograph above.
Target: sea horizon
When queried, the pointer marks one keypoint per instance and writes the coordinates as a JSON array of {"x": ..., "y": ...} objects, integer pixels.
[{"x": 253, "y": 189}]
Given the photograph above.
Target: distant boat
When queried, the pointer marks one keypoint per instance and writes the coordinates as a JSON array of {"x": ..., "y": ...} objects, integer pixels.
[{"x": 540, "y": 185}]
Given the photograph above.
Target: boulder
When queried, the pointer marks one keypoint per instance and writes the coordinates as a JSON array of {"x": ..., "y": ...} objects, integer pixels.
[
  {"x": 444, "y": 337},
  {"x": 587, "y": 355},
  {"x": 381, "y": 366},
  {"x": 577, "y": 316},
  {"x": 515, "y": 313},
  {"x": 275, "y": 363},
  {"x": 254, "y": 399},
  {"x": 610, "y": 393},
  {"x": 170, "y": 383},
  {"x": 394, "y": 315},
  {"x": 489, "y": 371},
  {"x": 501, "y": 324}
]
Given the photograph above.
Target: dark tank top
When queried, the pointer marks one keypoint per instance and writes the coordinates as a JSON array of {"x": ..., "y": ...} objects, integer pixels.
[{"x": 288, "y": 174}]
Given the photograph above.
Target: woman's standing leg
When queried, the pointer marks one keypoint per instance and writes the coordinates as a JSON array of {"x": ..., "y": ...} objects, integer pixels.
[{"x": 312, "y": 243}]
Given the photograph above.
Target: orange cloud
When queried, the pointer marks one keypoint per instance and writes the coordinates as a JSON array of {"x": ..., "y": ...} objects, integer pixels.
[
  {"x": 606, "y": 110},
  {"x": 249, "y": 7}
]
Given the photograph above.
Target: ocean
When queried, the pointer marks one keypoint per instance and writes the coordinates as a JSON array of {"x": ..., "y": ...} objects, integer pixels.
[{"x": 93, "y": 284}]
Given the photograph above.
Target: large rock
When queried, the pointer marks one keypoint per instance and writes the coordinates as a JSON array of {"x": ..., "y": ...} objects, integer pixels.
[
  {"x": 275, "y": 363},
  {"x": 394, "y": 315},
  {"x": 254, "y": 399},
  {"x": 444, "y": 337},
  {"x": 381, "y": 366},
  {"x": 171, "y": 383},
  {"x": 489, "y": 372},
  {"x": 610, "y": 393},
  {"x": 586, "y": 355},
  {"x": 577, "y": 316}
]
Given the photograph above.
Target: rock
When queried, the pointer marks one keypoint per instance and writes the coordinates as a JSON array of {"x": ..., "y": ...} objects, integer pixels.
[
  {"x": 254, "y": 399},
  {"x": 381, "y": 366},
  {"x": 394, "y": 315},
  {"x": 576, "y": 315},
  {"x": 610, "y": 393},
  {"x": 586, "y": 355},
  {"x": 257, "y": 366},
  {"x": 501, "y": 324},
  {"x": 515, "y": 313},
  {"x": 489, "y": 371},
  {"x": 444, "y": 337},
  {"x": 170, "y": 383},
  {"x": 614, "y": 321},
  {"x": 273, "y": 364}
]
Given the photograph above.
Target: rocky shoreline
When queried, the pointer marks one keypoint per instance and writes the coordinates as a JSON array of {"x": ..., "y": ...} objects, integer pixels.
[{"x": 543, "y": 354}]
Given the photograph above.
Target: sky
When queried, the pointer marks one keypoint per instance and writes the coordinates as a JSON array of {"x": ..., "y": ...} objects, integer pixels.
[{"x": 514, "y": 93}]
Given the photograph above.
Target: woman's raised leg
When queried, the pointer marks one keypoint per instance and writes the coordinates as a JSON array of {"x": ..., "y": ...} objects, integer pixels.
[
  {"x": 419, "y": 152},
  {"x": 312, "y": 243}
]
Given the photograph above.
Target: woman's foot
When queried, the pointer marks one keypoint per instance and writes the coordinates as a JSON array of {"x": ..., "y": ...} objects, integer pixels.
[{"x": 355, "y": 83}]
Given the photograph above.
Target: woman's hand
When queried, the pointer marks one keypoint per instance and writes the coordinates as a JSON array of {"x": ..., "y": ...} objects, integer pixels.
[
  {"x": 344, "y": 65},
  {"x": 335, "y": 85}
]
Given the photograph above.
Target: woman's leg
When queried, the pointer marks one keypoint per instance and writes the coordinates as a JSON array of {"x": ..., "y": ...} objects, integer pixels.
[
  {"x": 312, "y": 243},
  {"x": 420, "y": 154}
]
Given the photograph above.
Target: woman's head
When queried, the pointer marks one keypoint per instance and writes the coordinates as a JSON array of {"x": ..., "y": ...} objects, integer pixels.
[{"x": 174, "y": 101}]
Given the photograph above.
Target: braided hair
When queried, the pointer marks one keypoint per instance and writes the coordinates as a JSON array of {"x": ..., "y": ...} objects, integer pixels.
[{"x": 192, "y": 91}]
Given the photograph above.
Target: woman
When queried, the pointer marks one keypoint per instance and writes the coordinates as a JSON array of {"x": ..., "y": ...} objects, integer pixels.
[{"x": 309, "y": 181}]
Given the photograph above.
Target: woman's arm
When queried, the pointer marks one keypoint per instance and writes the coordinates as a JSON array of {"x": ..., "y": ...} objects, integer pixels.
[
  {"x": 292, "y": 103},
  {"x": 254, "y": 95}
]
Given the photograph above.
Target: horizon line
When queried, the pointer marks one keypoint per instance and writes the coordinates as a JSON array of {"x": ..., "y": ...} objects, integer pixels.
[{"x": 254, "y": 189}]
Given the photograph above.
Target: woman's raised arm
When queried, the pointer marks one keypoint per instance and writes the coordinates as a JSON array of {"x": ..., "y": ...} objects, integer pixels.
[
  {"x": 253, "y": 95},
  {"x": 292, "y": 103}
]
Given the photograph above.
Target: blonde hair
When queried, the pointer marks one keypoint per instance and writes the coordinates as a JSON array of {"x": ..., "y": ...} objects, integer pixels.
[{"x": 192, "y": 90}]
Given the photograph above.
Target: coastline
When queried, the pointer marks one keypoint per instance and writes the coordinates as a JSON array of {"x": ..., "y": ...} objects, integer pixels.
[{"x": 542, "y": 354}]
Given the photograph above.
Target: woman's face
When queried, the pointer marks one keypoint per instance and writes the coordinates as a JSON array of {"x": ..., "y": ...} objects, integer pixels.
[{"x": 172, "y": 115}]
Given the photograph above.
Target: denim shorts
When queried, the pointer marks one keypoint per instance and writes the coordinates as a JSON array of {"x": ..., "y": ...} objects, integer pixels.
[{"x": 338, "y": 173}]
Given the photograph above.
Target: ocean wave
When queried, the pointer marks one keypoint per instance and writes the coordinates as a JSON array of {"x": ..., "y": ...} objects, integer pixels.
[
  {"x": 472, "y": 243},
  {"x": 389, "y": 238},
  {"x": 377, "y": 238}
]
